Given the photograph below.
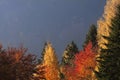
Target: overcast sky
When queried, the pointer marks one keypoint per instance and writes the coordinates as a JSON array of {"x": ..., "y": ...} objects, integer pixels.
[{"x": 32, "y": 22}]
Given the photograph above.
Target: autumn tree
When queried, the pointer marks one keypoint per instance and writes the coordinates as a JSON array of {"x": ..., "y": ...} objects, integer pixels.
[
  {"x": 69, "y": 54},
  {"x": 85, "y": 62},
  {"x": 51, "y": 63},
  {"x": 69, "y": 73},
  {"x": 91, "y": 36},
  {"x": 15, "y": 64},
  {"x": 109, "y": 60}
]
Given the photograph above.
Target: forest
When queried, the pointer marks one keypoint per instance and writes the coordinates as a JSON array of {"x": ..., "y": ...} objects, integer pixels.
[{"x": 99, "y": 58}]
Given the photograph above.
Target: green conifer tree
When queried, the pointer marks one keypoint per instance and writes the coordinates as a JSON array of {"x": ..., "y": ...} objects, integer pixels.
[
  {"x": 68, "y": 57},
  {"x": 69, "y": 54},
  {"x": 91, "y": 36},
  {"x": 109, "y": 59}
]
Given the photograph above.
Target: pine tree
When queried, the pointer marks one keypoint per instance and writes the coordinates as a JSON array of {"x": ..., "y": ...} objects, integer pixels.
[
  {"x": 69, "y": 54},
  {"x": 68, "y": 57},
  {"x": 109, "y": 60},
  {"x": 91, "y": 36},
  {"x": 51, "y": 63}
]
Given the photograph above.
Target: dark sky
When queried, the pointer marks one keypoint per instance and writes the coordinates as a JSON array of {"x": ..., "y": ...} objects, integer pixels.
[{"x": 32, "y": 22}]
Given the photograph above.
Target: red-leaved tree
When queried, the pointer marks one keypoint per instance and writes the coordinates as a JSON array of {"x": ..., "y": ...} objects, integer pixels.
[
  {"x": 85, "y": 62},
  {"x": 69, "y": 73},
  {"x": 84, "y": 65}
]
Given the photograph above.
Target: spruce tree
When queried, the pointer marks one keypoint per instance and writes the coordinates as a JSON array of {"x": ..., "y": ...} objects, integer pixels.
[
  {"x": 69, "y": 54},
  {"x": 91, "y": 36},
  {"x": 67, "y": 58},
  {"x": 109, "y": 59}
]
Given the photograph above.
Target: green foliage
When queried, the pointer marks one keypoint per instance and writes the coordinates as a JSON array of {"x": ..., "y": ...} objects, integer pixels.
[
  {"x": 109, "y": 63},
  {"x": 69, "y": 54},
  {"x": 91, "y": 36}
]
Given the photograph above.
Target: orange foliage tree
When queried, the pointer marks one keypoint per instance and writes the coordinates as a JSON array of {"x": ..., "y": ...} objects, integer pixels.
[
  {"x": 69, "y": 73},
  {"x": 85, "y": 62}
]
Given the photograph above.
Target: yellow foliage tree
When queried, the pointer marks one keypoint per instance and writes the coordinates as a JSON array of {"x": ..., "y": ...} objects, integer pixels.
[{"x": 51, "y": 63}]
